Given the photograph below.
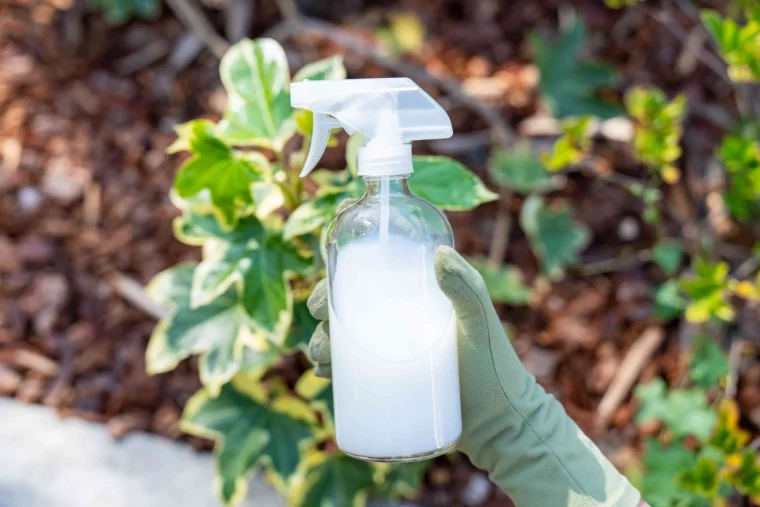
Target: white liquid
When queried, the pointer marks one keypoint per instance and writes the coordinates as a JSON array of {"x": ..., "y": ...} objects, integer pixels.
[{"x": 394, "y": 351}]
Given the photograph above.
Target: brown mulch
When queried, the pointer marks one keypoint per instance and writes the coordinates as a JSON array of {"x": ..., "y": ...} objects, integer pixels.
[{"x": 84, "y": 182}]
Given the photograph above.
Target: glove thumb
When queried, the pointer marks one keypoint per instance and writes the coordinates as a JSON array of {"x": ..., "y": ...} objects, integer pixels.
[{"x": 466, "y": 289}]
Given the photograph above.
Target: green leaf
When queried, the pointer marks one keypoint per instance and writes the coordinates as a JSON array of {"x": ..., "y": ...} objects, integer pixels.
[
  {"x": 301, "y": 329},
  {"x": 573, "y": 146},
  {"x": 728, "y": 438},
  {"x": 217, "y": 331},
  {"x": 668, "y": 302},
  {"x": 226, "y": 174},
  {"x": 569, "y": 85},
  {"x": 658, "y": 129},
  {"x": 520, "y": 169},
  {"x": 336, "y": 480},
  {"x": 118, "y": 12},
  {"x": 708, "y": 289},
  {"x": 267, "y": 198},
  {"x": 556, "y": 238},
  {"x": 256, "y": 76},
  {"x": 652, "y": 400},
  {"x": 318, "y": 391},
  {"x": 258, "y": 262},
  {"x": 689, "y": 414},
  {"x": 738, "y": 44},
  {"x": 708, "y": 364},
  {"x": 331, "y": 68},
  {"x": 660, "y": 486},
  {"x": 406, "y": 479},
  {"x": 312, "y": 214},
  {"x": 248, "y": 432},
  {"x": 448, "y": 184},
  {"x": 504, "y": 283},
  {"x": 740, "y": 154},
  {"x": 683, "y": 411},
  {"x": 703, "y": 478},
  {"x": 746, "y": 476},
  {"x": 667, "y": 254}
]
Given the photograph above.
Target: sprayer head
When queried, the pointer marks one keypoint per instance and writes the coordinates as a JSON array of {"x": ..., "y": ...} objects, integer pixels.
[{"x": 389, "y": 112}]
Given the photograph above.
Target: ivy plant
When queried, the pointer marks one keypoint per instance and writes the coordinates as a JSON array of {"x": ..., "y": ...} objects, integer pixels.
[
  {"x": 569, "y": 84},
  {"x": 241, "y": 310}
]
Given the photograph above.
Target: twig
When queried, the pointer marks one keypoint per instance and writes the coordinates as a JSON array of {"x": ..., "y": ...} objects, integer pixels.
[
  {"x": 747, "y": 267},
  {"x": 616, "y": 264},
  {"x": 133, "y": 292},
  {"x": 501, "y": 229},
  {"x": 713, "y": 62},
  {"x": 192, "y": 16},
  {"x": 734, "y": 357},
  {"x": 146, "y": 55},
  {"x": 500, "y": 131},
  {"x": 630, "y": 368}
]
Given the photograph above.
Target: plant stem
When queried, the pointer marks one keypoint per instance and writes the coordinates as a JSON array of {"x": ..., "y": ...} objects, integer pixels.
[{"x": 616, "y": 264}]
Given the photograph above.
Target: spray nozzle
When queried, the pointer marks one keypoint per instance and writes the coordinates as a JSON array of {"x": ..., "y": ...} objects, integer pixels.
[{"x": 390, "y": 112}]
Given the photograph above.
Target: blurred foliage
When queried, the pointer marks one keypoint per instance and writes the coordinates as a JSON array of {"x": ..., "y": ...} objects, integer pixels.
[
  {"x": 241, "y": 309},
  {"x": 619, "y": 4},
  {"x": 678, "y": 473},
  {"x": 740, "y": 154},
  {"x": 405, "y": 33},
  {"x": 658, "y": 130},
  {"x": 120, "y": 11},
  {"x": 555, "y": 237},
  {"x": 519, "y": 169},
  {"x": 504, "y": 283},
  {"x": 573, "y": 146},
  {"x": 739, "y": 43},
  {"x": 569, "y": 85}
]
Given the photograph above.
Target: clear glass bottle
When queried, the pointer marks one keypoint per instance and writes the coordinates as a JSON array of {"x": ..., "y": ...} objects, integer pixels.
[{"x": 392, "y": 330}]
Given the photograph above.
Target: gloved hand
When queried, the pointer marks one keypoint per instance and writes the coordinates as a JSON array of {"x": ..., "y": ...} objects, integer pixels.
[{"x": 510, "y": 426}]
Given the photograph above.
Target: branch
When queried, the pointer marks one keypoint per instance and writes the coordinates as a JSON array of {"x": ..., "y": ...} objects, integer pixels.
[
  {"x": 615, "y": 264},
  {"x": 630, "y": 368},
  {"x": 193, "y": 18},
  {"x": 713, "y": 62}
]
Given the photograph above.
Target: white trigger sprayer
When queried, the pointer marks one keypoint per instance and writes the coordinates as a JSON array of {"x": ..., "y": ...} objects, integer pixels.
[
  {"x": 390, "y": 112},
  {"x": 392, "y": 331}
]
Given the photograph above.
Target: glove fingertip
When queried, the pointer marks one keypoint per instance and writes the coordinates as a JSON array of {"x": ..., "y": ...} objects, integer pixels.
[
  {"x": 317, "y": 303},
  {"x": 323, "y": 370}
]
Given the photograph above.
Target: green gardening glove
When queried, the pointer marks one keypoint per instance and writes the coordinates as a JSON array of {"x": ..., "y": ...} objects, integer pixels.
[{"x": 510, "y": 426}]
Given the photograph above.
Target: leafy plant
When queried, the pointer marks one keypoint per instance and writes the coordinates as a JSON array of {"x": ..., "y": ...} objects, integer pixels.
[
  {"x": 681, "y": 473},
  {"x": 658, "y": 129},
  {"x": 740, "y": 154},
  {"x": 573, "y": 145},
  {"x": 738, "y": 43},
  {"x": 520, "y": 170},
  {"x": 709, "y": 291},
  {"x": 120, "y": 11},
  {"x": 556, "y": 238},
  {"x": 569, "y": 85},
  {"x": 241, "y": 310},
  {"x": 504, "y": 283}
]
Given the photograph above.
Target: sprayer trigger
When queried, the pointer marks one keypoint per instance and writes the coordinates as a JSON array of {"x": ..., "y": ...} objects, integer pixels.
[{"x": 320, "y": 135}]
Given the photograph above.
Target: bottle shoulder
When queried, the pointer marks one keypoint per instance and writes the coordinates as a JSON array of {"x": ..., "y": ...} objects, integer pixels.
[{"x": 409, "y": 216}]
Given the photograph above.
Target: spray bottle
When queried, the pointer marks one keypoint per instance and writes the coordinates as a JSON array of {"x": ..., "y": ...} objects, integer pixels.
[{"x": 392, "y": 330}]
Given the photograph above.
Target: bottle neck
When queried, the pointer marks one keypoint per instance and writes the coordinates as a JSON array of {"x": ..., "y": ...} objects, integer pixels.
[{"x": 398, "y": 184}]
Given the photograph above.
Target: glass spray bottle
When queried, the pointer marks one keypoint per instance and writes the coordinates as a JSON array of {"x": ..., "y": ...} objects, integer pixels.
[{"x": 392, "y": 331}]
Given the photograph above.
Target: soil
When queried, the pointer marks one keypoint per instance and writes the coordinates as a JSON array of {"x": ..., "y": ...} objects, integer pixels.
[{"x": 86, "y": 115}]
